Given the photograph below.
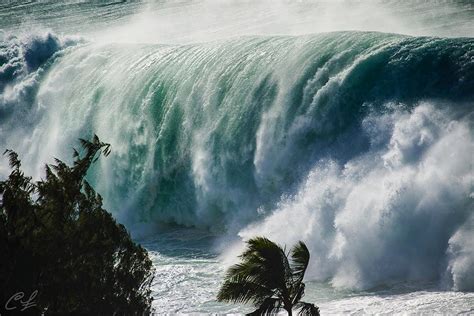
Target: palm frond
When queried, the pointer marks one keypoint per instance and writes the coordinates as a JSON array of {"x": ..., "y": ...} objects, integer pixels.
[
  {"x": 252, "y": 271},
  {"x": 299, "y": 261},
  {"x": 307, "y": 309},
  {"x": 269, "y": 261},
  {"x": 266, "y": 278},
  {"x": 239, "y": 290},
  {"x": 270, "y": 306}
]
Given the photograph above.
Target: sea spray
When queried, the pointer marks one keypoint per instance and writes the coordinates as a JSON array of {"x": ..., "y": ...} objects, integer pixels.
[{"x": 391, "y": 214}]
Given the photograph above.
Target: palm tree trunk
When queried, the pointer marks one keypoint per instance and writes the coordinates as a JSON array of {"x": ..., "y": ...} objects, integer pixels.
[{"x": 289, "y": 310}]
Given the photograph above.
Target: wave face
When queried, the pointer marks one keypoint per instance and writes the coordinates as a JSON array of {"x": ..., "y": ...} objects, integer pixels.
[{"x": 358, "y": 143}]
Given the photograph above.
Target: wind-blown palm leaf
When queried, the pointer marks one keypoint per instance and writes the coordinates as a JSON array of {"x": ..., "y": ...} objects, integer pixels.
[
  {"x": 269, "y": 306},
  {"x": 299, "y": 261},
  {"x": 239, "y": 290},
  {"x": 253, "y": 270},
  {"x": 267, "y": 279},
  {"x": 269, "y": 261},
  {"x": 307, "y": 309}
]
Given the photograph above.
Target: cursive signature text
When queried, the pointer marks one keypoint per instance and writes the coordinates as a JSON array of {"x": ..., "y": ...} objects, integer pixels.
[{"x": 19, "y": 301}]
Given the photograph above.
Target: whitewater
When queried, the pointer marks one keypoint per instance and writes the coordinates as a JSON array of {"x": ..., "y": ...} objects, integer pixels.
[{"x": 348, "y": 125}]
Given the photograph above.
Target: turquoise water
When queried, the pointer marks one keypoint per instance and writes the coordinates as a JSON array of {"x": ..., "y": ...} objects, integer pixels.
[{"x": 351, "y": 131}]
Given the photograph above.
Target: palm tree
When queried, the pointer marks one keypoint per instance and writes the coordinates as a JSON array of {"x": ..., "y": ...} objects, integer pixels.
[{"x": 268, "y": 279}]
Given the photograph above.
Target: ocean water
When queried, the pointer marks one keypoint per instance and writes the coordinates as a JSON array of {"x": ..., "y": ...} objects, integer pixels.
[
  {"x": 189, "y": 272},
  {"x": 345, "y": 124}
]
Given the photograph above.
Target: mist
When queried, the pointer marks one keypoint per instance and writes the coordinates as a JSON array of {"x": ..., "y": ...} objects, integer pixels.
[{"x": 199, "y": 21}]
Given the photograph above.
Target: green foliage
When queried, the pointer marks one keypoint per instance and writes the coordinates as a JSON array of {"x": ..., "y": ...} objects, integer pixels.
[
  {"x": 55, "y": 238},
  {"x": 267, "y": 278}
]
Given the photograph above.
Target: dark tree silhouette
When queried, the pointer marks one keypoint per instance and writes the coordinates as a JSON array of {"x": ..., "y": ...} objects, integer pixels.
[
  {"x": 268, "y": 279},
  {"x": 61, "y": 248}
]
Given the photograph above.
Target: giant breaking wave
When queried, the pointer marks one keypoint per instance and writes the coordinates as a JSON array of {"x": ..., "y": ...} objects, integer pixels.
[{"x": 359, "y": 143}]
